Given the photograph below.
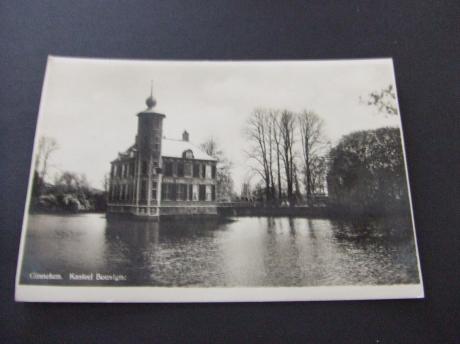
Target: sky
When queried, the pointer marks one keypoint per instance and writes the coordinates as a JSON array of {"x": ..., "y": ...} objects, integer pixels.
[{"x": 89, "y": 106}]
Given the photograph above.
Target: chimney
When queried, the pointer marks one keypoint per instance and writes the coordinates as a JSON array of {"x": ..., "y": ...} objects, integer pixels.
[{"x": 185, "y": 136}]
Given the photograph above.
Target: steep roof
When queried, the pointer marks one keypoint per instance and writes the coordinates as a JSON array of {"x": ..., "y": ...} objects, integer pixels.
[{"x": 175, "y": 148}]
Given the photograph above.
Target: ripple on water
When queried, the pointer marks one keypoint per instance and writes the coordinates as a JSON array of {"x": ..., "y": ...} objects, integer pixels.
[{"x": 247, "y": 251}]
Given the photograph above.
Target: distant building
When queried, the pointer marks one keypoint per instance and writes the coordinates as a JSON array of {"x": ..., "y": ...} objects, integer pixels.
[{"x": 161, "y": 177}]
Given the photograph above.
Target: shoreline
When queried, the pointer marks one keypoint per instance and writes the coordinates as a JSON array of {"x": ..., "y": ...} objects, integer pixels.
[{"x": 224, "y": 213}]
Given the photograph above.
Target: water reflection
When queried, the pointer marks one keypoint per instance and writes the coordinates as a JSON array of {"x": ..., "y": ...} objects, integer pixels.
[{"x": 246, "y": 251}]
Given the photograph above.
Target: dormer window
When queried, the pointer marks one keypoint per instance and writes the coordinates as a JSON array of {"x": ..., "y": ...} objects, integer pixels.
[{"x": 188, "y": 154}]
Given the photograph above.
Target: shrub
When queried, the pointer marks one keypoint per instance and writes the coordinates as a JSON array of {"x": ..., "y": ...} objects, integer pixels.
[{"x": 366, "y": 172}]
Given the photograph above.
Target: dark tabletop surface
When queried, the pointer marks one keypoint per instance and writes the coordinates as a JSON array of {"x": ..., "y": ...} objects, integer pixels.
[{"x": 421, "y": 36}]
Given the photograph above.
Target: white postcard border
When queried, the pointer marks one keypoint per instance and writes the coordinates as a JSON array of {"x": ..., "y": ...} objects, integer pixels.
[
  {"x": 172, "y": 295},
  {"x": 135, "y": 294}
]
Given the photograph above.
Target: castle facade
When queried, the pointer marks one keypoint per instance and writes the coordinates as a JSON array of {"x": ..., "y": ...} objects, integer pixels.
[{"x": 158, "y": 177}]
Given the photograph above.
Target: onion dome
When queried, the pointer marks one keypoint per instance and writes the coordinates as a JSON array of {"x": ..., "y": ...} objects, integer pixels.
[{"x": 150, "y": 101}]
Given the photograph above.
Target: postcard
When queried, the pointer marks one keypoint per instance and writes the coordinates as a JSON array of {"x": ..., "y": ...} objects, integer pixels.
[{"x": 218, "y": 181}]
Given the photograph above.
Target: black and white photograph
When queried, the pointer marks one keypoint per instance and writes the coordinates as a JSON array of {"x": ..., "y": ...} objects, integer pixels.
[{"x": 181, "y": 181}]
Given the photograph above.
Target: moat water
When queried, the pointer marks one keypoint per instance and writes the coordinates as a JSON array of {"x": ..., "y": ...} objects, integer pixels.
[{"x": 242, "y": 251}]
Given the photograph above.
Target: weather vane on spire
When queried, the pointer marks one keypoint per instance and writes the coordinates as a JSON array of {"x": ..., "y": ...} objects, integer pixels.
[{"x": 151, "y": 102}]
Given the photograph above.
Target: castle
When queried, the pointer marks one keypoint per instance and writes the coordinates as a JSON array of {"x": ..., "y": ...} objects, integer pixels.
[{"x": 158, "y": 177}]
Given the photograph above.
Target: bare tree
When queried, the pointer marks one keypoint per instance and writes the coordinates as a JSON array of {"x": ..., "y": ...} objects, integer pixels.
[
  {"x": 259, "y": 132},
  {"x": 287, "y": 133},
  {"x": 297, "y": 192},
  {"x": 246, "y": 190},
  {"x": 46, "y": 147},
  {"x": 274, "y": 119},
  {"x": 211, "y": 147},
  {"x": 270, "y": 140},
  {"x": 312, "y": 139},
  {"x": 318, "y": 174},
  {"x": 384, "y": 100},
  {"x": 224, "y": 166}
]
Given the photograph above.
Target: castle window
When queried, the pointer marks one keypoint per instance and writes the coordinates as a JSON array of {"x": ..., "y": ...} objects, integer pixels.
[
  {"x": 188, "y": 169},
  {"x": 144, "y": 140},
  {"x": 164, "y": 191},
  {"x": 213, "y": 192},
  {"x": 117, "y": 193},
  {"x": 168, "y": 168},
  {"x": 190, "y": 192},
  {"x": 144, "y": 167},
  {"x": 144, "y": 190},
  {"x": 168, "y": 191},
  {"x": 208, "y": 171},
  {"x": 202, "y": 193},
  {"x": 196, "y": 170},
  {"x": 180, "y": 169},
  {"x": 182, "y": 192},
  {"x": 195, "y": 192},
  {"x": 172, "y": 192},
  {"x": 208, "y": 193},
  {"x": 203, "y": 171},
  {"x": 155, "y": 166},
  {"x": 213, "y": 172},
  {"x": 125, "y": 192},
  {"x": 188, "y": 154},
  {"x": 114, "y": 192},
  {"x": 154, "y": 191}
]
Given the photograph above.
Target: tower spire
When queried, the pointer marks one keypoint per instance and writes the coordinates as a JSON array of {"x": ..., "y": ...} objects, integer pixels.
[{"x": 151, "y": 102}]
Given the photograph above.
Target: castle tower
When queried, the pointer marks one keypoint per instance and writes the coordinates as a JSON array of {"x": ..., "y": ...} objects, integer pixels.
[
  {"x": 140, "y": 186},
  {"x": 148, "y": 160}
]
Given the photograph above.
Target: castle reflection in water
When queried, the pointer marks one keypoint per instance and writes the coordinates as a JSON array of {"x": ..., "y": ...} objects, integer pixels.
[{"x": 243, "y": 251}]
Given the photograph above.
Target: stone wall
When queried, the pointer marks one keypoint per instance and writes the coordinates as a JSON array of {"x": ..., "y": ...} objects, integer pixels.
[
  {"x": 189, "y": 210},
  {"x": 170, "y": 209}
]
